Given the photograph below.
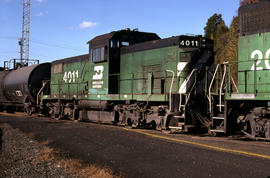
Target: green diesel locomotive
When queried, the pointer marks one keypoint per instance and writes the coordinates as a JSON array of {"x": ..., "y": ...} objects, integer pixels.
[
  {"x": 136, "y": 79},
  {"x": 133, "y": 78}
]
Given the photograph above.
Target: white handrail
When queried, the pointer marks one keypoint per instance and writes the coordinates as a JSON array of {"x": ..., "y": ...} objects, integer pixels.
[
  {"x": 221, "y": 87},
  {"x": 44, "y": 83},
  {"x": 210, "y": 87},
  {"x": 170, "y": 101},
  {"x": 234, "y": 84}
]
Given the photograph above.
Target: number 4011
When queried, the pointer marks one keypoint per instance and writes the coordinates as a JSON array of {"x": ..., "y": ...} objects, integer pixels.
[{"x": 71, "y": 76}]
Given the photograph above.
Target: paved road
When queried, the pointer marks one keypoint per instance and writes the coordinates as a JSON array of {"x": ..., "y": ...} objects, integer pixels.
[{"x": 139, "y": 155}]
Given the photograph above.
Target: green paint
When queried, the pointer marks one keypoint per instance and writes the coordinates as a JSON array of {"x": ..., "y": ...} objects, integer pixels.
[{"x": 254, "y": 66}]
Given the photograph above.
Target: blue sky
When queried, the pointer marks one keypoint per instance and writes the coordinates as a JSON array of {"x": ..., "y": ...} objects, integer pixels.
[{"x": 61, "y": 28}]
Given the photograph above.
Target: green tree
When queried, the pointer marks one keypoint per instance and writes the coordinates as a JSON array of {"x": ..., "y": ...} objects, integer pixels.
[
  {"x": 216, "y": 30},
  {"x": 211, "y": 26},
  {"x": 231, "y": 49},
  {"x": 220, "y": 42},
  {"x": 225, "y": 41}
]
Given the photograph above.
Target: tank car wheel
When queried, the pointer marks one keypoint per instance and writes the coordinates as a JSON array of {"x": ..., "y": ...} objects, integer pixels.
[{"x": 28, "y": 110}]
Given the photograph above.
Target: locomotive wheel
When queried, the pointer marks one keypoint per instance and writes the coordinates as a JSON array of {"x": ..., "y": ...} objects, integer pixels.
[
  {"x": 153, "y": 125},
  {"x": 252, "y": 125},
  {"x": 135, "y": 124},
  {"x": 267, "y": 130},
  {"x": 159, "y": 126},
  {"x": 51, "y": 113}
]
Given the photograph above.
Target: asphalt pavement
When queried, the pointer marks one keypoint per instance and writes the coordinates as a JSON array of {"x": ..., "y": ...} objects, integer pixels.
[{"x": 135, "y": 154}]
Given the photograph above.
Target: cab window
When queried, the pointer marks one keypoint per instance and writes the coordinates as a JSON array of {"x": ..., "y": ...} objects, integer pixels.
[
  {"x": 97, "y": 54},
  {"x": 58, "y": 68},
  {"x": 124, "y": 43}
]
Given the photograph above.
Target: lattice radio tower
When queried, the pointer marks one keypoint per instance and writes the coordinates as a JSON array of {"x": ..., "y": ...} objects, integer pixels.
[{"x": 24, "y": 41}]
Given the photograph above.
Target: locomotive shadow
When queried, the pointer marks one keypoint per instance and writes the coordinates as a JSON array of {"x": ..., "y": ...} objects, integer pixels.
[{"x": 1, "y": 135}]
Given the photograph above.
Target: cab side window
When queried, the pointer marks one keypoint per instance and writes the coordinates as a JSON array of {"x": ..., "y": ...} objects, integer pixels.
[
  {"x": 97, "y": 54},
  {"x": 58, "y": 68}
]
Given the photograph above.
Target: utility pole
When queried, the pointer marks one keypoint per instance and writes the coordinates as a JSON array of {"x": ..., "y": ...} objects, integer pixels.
[{"x": 24, "y": 40}]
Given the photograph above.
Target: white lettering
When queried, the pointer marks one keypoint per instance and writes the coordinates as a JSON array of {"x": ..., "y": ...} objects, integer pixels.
[
  {"x": 267, "y": 55},
  {"x": 259, "y": 58},
  {"x": 71, "y": 76},
  {"x": 97, "y": 83}
]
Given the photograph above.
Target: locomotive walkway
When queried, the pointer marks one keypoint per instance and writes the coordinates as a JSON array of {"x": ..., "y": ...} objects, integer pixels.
[{"x": 148, "y": 153}]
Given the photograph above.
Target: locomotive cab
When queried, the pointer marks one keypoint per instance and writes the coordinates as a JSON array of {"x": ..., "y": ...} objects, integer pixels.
[{"x": 104, "y": 56}]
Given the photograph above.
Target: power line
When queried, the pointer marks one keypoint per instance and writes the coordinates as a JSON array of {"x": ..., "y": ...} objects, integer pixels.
[
  {"x": 46, "y": 44},
  {"x": 9, "y": 38},
  {"x": 56, "y": 45},
  {"x": 51, "y": 57},
  {"x": 8, "y": 52}
]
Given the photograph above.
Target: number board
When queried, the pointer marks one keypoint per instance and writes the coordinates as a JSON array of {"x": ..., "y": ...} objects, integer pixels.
[{"x": 189, "y": 41}]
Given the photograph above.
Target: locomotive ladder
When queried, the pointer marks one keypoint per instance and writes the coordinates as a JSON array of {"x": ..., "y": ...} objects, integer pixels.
[
  {"x": 216, "y": 111},
  {"x": 183, "y": 99}
]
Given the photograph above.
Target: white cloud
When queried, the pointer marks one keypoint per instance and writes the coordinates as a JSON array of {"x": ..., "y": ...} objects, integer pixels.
[
  {"x": 87, "y": 24},
  {"x": 40, "y": 14},
  {"x": 40, "y": 1}
]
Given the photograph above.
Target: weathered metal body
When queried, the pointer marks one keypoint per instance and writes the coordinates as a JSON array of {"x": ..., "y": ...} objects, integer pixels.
[
  {"x": 132, "y": 78},
  {"x": 69, "y": 78}
]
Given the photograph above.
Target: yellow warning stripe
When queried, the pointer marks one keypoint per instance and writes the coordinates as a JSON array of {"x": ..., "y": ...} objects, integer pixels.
[{"x": 202, "y": 145}]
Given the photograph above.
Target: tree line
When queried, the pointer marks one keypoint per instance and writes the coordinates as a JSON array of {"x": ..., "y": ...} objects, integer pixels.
[{"x": 225, "y": 38}]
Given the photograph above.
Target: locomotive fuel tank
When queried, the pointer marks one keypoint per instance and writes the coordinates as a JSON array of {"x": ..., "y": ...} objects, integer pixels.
[{"x": 23, "y": 84}]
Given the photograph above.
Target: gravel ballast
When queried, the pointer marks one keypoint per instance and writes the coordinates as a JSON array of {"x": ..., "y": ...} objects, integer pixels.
[{"x": 22, "y": 156}]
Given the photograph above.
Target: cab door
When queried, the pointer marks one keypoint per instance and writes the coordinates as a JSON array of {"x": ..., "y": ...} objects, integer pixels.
[{"x": 98, "y": 71}]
